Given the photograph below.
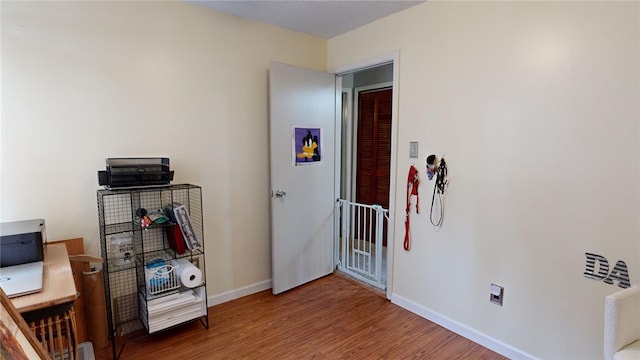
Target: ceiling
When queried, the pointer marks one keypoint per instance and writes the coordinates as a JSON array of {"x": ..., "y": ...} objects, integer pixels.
[{"x": 322, "y": 18}]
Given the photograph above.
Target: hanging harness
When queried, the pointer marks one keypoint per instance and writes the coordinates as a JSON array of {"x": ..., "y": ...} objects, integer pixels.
[
  {"x": 412, "y": 189},
  {"x": 438, "y": 192}
]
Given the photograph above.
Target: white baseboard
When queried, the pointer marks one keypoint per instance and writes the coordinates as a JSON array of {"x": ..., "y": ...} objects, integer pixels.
[
  {"x": 461, "y": 329},
  {"x": 238, "y": 293}
]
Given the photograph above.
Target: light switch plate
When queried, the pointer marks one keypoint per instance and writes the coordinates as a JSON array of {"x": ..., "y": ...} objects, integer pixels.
[{"x": 413, "y": 149}]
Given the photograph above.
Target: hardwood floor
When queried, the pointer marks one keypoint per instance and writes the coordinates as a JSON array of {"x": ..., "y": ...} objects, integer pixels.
[{"x": 330, "y": 318}]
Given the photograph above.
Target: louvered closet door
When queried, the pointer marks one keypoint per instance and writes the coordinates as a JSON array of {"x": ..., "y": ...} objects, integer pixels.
[{"x": 374, "y": 148}]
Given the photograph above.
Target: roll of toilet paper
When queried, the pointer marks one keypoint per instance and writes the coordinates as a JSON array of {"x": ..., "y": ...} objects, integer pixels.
[{"x": 190, "y": 276}]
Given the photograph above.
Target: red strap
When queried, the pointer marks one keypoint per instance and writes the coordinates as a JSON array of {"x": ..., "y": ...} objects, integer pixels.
[
  {"x": 406, "y": 233},
  {"x": 412, "y": 189}
]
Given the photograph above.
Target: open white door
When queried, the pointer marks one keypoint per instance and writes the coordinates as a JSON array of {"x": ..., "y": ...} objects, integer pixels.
[{"x": 302, "y": 140}]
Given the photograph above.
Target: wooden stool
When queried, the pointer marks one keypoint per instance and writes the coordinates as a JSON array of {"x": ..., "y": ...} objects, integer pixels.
[{"x": 56, "y": 329}]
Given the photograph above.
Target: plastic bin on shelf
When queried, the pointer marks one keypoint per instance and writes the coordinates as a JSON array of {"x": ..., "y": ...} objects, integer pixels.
[{"x": 160, "y": 277}]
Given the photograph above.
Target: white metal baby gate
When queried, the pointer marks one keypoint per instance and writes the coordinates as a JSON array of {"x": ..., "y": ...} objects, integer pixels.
[{"x": 360, "y": 241}]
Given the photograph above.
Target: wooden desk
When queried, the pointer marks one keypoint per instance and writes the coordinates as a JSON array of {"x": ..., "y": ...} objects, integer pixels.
[
  {"x": 49, "y": 312},
  {"x": 57, "y": 282}
]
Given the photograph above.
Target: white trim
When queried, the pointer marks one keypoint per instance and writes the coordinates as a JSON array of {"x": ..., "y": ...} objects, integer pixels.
[
  {"x": 461, "y": 329},
  {"x": 390, "y": 57},
  {"x": 238, "y": 293},
  {"x": 348, "y": 144},
  {"x": 382, "y": 85},
  {"x": 337, "y": 165},
  {"x": 394, "y": 58},
  {"x": 342, "y": 172},
  {"x": 395, "y": 119}
]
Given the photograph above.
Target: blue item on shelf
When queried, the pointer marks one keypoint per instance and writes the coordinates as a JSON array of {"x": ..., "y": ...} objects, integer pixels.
[{"x": 161, "y": 275}]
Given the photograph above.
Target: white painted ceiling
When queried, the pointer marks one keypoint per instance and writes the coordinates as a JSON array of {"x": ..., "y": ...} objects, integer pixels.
[{"x": 322, "y": 18}]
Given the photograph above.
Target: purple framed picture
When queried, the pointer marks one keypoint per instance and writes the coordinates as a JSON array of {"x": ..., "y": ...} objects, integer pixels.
[{"x": 307, "y": 147}]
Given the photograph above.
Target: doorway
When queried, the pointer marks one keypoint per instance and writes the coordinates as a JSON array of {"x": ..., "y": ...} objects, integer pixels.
[
  {"x": 291, "y": 244},
  {"x": 367, "y": 153}
]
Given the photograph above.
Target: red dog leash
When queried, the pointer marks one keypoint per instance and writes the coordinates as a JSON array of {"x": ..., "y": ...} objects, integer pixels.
[{"x": 412, "y": 189}]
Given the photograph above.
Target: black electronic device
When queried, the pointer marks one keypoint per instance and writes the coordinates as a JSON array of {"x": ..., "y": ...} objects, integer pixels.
[
  {"x": 135, "y": 172},
  {"x": 22, "y": 242}
]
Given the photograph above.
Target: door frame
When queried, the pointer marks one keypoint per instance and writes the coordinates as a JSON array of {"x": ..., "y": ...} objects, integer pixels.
[
  {"x": 346, "y": 143},
  {"x": 391, "y": 57}
]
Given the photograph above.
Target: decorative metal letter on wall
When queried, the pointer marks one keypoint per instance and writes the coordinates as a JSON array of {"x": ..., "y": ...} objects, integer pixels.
[{"x": 619, "y": 273}]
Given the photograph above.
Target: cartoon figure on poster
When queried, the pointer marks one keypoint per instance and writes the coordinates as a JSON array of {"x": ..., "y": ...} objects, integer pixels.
[{"x": 307, "y": 145}]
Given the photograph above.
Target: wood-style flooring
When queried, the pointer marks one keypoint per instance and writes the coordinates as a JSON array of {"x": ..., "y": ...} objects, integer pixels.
[{"x": 330, "y": 318}]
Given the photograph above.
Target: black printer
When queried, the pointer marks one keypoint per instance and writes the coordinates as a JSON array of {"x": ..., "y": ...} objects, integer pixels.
[{"x": 135, "y": 172}]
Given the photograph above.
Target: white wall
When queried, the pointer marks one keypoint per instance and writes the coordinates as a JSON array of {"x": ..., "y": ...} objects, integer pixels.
[
  {"x": 83, "y": 81},
  {"x": 535, "y": 106}
]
